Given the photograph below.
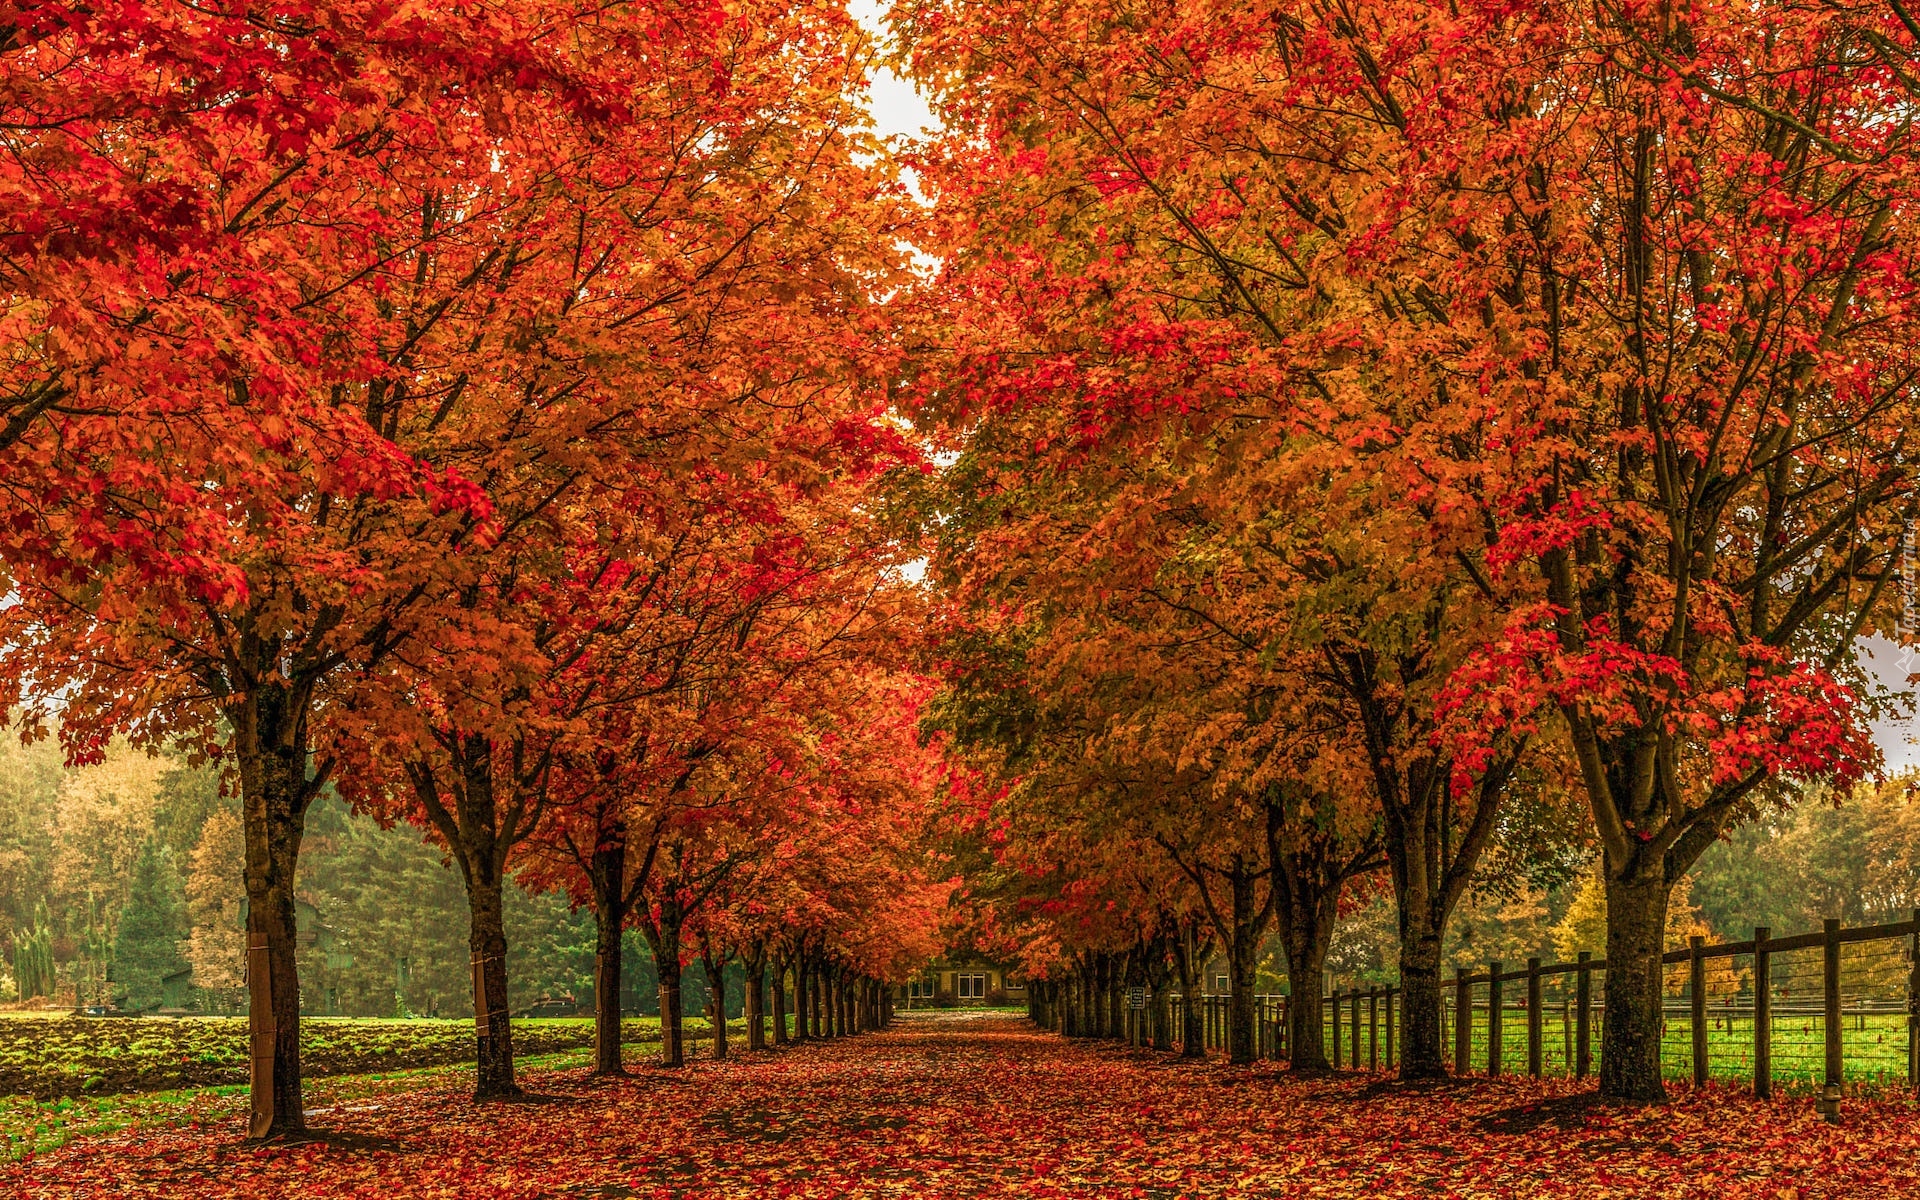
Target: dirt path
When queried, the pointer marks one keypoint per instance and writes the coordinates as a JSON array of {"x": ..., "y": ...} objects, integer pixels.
[{"x": 968, "y": 1106}]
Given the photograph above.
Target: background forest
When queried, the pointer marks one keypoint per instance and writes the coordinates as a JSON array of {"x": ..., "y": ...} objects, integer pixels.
[
  {"x": 1858, "y": 860},
  {"x": 121, "y": 882}
]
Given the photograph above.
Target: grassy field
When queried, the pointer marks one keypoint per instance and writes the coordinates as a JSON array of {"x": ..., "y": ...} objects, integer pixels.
[
  {"x": 29, "y": 1125},
  {"x": 78, "y": 1057}
]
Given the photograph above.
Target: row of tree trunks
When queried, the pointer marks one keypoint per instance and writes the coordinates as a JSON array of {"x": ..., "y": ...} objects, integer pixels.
[
  {"x": 1090, "y": 1001},
  {"x": 830, "y": 999}
]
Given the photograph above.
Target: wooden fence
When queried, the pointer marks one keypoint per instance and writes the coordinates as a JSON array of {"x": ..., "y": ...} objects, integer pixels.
[{"x": 1748, "y": 1009}]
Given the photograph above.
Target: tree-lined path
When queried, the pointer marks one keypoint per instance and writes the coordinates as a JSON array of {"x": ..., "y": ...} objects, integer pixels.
[{"x": 952, "y": 1105}]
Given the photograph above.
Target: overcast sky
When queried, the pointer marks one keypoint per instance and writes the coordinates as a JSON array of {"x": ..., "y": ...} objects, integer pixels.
[{"x": 896, "y": 107}]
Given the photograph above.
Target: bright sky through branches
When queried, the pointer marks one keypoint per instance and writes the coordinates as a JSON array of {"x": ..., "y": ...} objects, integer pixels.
[{"x": 897, "y": 108}]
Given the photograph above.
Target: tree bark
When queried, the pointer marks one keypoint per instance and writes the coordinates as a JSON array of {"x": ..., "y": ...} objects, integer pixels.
[
  {"x": 822, "y": 1024},
  {"x": 1306, "y": 936},
  {"x": 1635, "y": 991},
  {"x": 1432, "y": 852},
  {"x": 756, "y": 999},
  {"x": 1103, "y": 982},
  {"x": 1159, "y": 974},
  {"x": 270, "y": 748},
  {"x": 716, "y": 1000},
  {"x": 493, "y": 1023},
  {"x": 1423, "y": 1041},
  {"x": 1243, "y": 953},
  {"x": 609, "y": 875},
  {"x": 480, "y": 833},
  {"x": 779, "y": 1001},
  {"x": 1189, "y": 959},
  {"x": 663, "y": 936},
  {"x": 1309, "y": 871}
]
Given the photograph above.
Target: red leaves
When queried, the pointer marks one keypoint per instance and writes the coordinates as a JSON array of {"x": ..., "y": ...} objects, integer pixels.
[{"x": 970, "y": 1106}]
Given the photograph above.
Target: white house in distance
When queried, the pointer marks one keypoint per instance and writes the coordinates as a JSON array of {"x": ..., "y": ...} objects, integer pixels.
[{"x": 962, "y": 982}]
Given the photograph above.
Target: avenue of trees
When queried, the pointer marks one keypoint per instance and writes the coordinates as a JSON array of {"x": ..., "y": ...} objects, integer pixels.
[
  {"x": 478, "y": 415},
  {"x": 1258, "y": 463},
  {"x": 1397, "y": 443}
]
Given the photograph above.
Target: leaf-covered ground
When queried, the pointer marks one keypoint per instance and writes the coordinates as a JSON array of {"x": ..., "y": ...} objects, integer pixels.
[{"x": 969, "y": 1107}]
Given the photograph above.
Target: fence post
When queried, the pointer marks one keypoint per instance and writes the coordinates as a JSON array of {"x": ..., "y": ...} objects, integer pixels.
[
  {"x": 1913, "y": 1007},
  {"x": 1697, "y": 984},
  {"x": 1354, "y": 1052},
  {"x": 1533, "y": 1017},
  {"x": 1495, "y": 1019},
  {"x": 1830, "y": 986},
  {"x": 1336, "y": 1029},
  {"x": 1462, "y": 1022},
  {"x": 1373, "y": 1029},
  {"x": 1762, "y": 1013},
  {"x": 1390, "y": 1027},
  {"x": 1583, "y": 1016}
]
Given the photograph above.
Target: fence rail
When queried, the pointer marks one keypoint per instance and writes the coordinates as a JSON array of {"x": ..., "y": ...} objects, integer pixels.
[{"x": 1736, "y": 1003}]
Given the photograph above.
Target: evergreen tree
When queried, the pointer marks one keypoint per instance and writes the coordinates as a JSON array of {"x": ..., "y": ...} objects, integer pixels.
[
  {"x": 33, "y": 958},
  {"x": 146, "y": 948}
]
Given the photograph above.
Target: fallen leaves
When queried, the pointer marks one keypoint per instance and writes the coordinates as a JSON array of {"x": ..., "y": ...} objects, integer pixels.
[{"x": 940, "y": 1107}]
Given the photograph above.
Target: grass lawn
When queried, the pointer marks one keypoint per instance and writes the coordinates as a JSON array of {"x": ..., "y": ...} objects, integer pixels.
[
  {"x": 1874, "y": 1045},
  {"x": 30, "y": 1124},
  {"x": 90, "y": 1057}
]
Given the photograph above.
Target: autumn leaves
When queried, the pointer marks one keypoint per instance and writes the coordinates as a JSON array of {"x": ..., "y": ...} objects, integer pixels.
[
  {"x": 480, "y": 414},
  {"x": 1372, "y": 422},
  {"x": 1355, "y": 425}
]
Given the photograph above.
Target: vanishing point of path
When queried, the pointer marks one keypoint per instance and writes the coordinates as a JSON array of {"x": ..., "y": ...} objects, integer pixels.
[{"x": 953, "y": 1105}]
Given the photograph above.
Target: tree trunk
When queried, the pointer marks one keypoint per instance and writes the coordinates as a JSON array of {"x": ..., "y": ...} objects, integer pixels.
[
  {"x": 1243, "y": 953},
  {"x": 270, "y": 748},
  {"x": 1188, "y": 960},
  {"x": 1103, "y": 996},
  {"x": 779, "y": 1002},
  {"x": 1422, "y": 1043},
  {"x": 1159, "y": 974},
  {"x": 609, "y": 917},
  {"x": 1431, "y": 850},
  {"x": 816, "y": 995},
  {"x": 493, "y": 1023},
  {"x": 756, "y": 999},
  {"x": 664, "y": 937},
  {"x": 1635, "y": 992},
  {"x": 716, "y": 1001},
  {"x": 1306, "y": 937}
]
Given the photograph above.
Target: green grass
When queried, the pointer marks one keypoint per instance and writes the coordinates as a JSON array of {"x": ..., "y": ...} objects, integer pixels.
[
  {"x": 1874, "y": 1046},
  {"x": 31, "y": 1126},
  {"x": 88, "y": 1058}
]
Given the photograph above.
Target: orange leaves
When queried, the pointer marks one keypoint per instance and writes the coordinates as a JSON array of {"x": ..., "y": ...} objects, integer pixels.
[{"x": 968, "y": 1105}]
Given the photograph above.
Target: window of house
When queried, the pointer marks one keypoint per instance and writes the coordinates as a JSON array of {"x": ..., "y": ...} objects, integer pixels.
[
  {"x": 1220, "y": 984},
  {"x": 972, "y": 987}
]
